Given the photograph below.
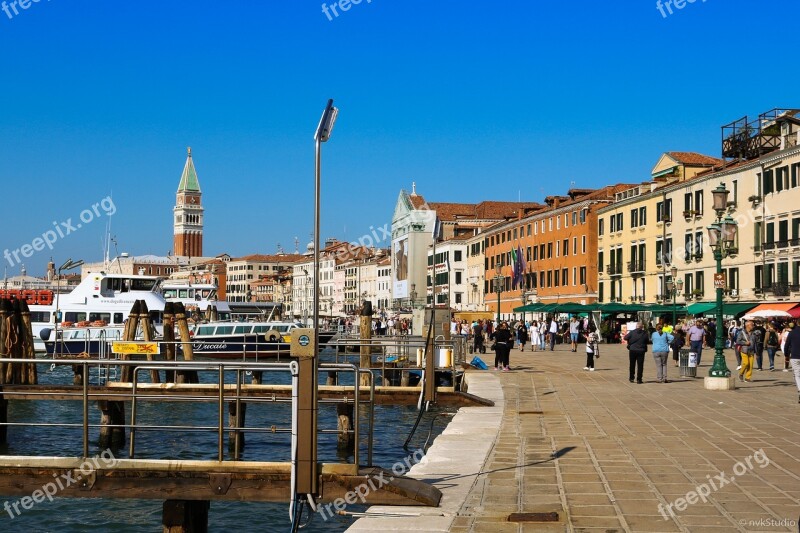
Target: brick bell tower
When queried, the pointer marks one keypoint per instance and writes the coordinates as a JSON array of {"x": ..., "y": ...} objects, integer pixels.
[{"x": 188, "y": 211}]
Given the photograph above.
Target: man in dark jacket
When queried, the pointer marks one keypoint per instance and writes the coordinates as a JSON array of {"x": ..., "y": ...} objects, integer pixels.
[
  {"x": 792, "y": 347},
  {"x": 637, "y": 347}
]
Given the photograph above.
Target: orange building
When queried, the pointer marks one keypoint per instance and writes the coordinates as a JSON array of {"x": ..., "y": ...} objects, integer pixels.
[{"x": 559, "y": 246}]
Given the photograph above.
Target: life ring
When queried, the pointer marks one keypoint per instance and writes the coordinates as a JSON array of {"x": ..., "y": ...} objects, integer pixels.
[
  {"x": 99, "y": 323},
  {"x": 67, "y": 324},
  {"x": 44, "y": 297},
  {"x": 273, "y": 335},
  {"x": 13, "y": 295},
  {"x": 83, "y": 324},
  {"x": 29, "y": 296},
  {"x": 3, "y": 294}
]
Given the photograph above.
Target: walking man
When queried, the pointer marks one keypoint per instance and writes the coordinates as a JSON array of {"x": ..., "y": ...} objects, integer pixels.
[
  {"x": 696, "y": 336},
  {"x": 553, "y": 333},
  {"x": 747, "y": 348},
  {"x": 637, "y": 346},
  {"x": 793, "y": 349},
  {"x": 661, "y": 343},
  {"x": 574, "y": 330}
]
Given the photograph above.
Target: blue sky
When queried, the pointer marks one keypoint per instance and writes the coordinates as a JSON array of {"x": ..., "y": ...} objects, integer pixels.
[{"x": 471, "y": 100}]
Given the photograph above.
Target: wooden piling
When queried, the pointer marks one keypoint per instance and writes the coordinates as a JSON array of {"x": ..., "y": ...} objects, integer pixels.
[
  {"x": 365, "y": 334},
  {"x": 188, "y": 376},
  {"x": 236, "y": 418},
  {"x": 111, "y": 414},
  {"x": 170, "y": 349},
  {"x": 129, "y": 334},
  {"x": 29, "y": 374},
  {"x": 148, "y": 333},
  {"x": 185, "y": 516},
  {"x": 344, "y": 425},
  {"x": 5, "y": 311},
  {"x": 14, "y": 345}
]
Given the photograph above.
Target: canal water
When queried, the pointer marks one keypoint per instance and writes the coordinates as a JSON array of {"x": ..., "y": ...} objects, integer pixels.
[{"x": 392, "y": 425}]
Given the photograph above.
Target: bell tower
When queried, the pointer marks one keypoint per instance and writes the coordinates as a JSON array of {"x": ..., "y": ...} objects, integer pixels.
[{"x": 188, "y": 213}]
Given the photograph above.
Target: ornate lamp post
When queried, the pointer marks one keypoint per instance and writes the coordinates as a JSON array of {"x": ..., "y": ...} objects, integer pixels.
[
  {"x": 674, "y": 287},
  {"x": 498, "y": 287},
  {"x": 721, "y": 238}
]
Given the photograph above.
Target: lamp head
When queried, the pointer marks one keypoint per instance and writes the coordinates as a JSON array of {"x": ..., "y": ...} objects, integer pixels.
[
  {"x": 326, "y": 123},
  {"x": 720, "y": 198}
]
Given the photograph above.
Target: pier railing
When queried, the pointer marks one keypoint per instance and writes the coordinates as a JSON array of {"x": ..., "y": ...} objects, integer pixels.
[{"x": 220, "y": 391}]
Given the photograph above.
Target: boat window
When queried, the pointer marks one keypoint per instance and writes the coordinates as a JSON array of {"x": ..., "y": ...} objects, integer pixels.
[
  {"x": 142, "y": 284},
  {"x": 105, "y": 317},
  {"x": 156, "y": 317},
  {"x": 40, "y": 316},
  {"x": 205, "y": 330},
  {"x": 114, "y": 284},
  {"x": 243, "y": 329},
  {"x": 183, "y": 293},
  {"x": 260, "y": 329},
  {"x": 206, "y": 293},
  {"x": 224, "y": 330},
  {"x": 169, "y": 293},
  {"x": 71, "y": 316},
  {"x": 118, "y": 318},
  {"x": 225, "y": 316}
]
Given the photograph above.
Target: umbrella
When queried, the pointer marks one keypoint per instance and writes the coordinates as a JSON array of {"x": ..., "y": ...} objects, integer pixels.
[{"x": 768, "y": 313}]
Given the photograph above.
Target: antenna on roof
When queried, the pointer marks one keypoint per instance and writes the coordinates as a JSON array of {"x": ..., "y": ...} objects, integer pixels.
[{"x": 296, "y": 245}]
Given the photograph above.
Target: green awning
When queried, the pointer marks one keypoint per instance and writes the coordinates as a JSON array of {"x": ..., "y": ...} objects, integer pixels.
[{"x": 728, "y": 309}]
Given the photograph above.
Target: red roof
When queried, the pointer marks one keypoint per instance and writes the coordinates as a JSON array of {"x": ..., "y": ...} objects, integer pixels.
[{"x": 693, "y": 158}]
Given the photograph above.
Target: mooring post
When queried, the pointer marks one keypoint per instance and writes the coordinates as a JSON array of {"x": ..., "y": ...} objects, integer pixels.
[
  {"x": 365, "y": 333},
  {"x": 111, "y": 414},
  {"x": 344, "y": 413},
  {"x": 185, "y": 516},
  {"x": 236, "y": 419}
]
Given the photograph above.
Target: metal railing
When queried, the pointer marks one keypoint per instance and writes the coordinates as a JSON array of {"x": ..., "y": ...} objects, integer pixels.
[{"x": 227, "y": 392}]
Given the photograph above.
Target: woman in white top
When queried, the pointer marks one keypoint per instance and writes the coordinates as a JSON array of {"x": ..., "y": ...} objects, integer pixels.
[{"x": 534, "y": 336}]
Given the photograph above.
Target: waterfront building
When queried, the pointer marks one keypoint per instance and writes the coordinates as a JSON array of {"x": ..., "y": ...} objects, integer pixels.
[
  {"x": 188, "y": 213},
  {"x": 635, "y": 232},
  {"x": 475, "y": 273},
  {"x": 242, "y": 271},
  {"x": 450, "y": 268},
  {"x": 558, "y": 243},
  {"x": 412, "y": 234}
]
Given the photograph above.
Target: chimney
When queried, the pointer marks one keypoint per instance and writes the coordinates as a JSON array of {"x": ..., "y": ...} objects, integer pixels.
[{"x": 556, "y": 202}]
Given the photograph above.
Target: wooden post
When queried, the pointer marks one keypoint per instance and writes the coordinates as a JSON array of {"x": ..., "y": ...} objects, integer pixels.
[
  {"x": 344, "y": 413},
  {"x": 236, "y": 419},
  {"x": 5, "y": 310},
  {"x": 185, "y": 516},
  {"x": 14, "y": 344},
  {"x": 111, "y": 414},
  {"x": 129, "y": 334},
  {"x": 170, "y": 349},
  {"x": 29, "y": 376},
  {"x": 186, "y": 345},
  {"x": 148, "y": 332},
  {"x": 365, "y": 334}
]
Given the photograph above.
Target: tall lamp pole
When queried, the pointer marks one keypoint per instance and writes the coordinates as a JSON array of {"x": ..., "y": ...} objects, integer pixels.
[
  {"x": 498, "y": 287},
  {"x": 69, "y": 264},
  {"x": 674, "y": 287},
  {"x": 721, "y": 238}
]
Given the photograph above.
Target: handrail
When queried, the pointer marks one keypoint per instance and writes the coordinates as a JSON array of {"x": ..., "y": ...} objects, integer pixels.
[{"x": 135, "y": 396}]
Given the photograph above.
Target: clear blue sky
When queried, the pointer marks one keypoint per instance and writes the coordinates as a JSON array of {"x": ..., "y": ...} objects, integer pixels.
[{"x": 472, "y": 100}]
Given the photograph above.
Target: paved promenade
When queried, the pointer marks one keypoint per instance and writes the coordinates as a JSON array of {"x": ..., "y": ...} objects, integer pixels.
[
  {"x": 628, "y": 455},
  {"x": 608, "y": 455}
]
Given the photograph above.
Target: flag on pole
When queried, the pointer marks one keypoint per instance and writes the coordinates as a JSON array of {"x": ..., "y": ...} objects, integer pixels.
[
  {"x": 514, "y": 278},
  {"x": 437, "y": 229},
  {"x": 520, "y": 267}
]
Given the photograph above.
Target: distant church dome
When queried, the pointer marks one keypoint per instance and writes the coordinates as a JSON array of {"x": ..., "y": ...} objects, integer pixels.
[{"x": 310, "y": 248}]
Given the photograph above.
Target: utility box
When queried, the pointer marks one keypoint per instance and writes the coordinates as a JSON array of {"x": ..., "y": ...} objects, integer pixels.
[{"x": 303, "y": 342}]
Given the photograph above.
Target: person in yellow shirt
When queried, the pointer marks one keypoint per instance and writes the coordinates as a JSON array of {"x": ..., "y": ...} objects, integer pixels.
[{"x": 747, "y": 343}]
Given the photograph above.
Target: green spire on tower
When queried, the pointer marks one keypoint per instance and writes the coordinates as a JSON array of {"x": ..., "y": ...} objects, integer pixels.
[{"x": 189, "y": 182}]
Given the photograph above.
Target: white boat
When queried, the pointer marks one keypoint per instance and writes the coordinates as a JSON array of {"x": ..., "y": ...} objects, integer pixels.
[
  {"x": 99, "y": 300},
  {"x": 245, "y": 340},
  {"x": 196, "y": 297}
]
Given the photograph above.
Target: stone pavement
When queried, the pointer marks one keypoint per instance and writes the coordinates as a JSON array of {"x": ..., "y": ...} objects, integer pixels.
[{"x": 608, "y": 455}]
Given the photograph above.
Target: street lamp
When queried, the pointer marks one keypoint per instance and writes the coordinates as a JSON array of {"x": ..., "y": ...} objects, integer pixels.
[
  {"x": 674, "y": 287},
  {"x": 721, "y": 238},
  {"x": 498, "y": 288}
]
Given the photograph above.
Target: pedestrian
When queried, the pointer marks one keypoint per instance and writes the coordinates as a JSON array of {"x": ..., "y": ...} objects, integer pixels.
[
  {"x": 534, "y": 336},
  {"x": 793, "y": 351},
  {"x": 592, "y": 348},
  {"x": 543, "y": 335},
  {"x": 747, "y": 348},
  {"x": 553, "y": 333},
  {"x": 574, "y": 330},
  {"x": 637, "y": 346},
  {"x": 733, "y": 332},
  {"x": 759, "y": 336},
  {"x": 678, "y": 340},
  {"x": 773, "y": 342},
  {"x": 785, "y": 335},
  {"x": 695, "y": 337},
  {"x": 661, "y": 347},
  {"x": 502, "y": 346},
  {"x": 522, "y": 335}
]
